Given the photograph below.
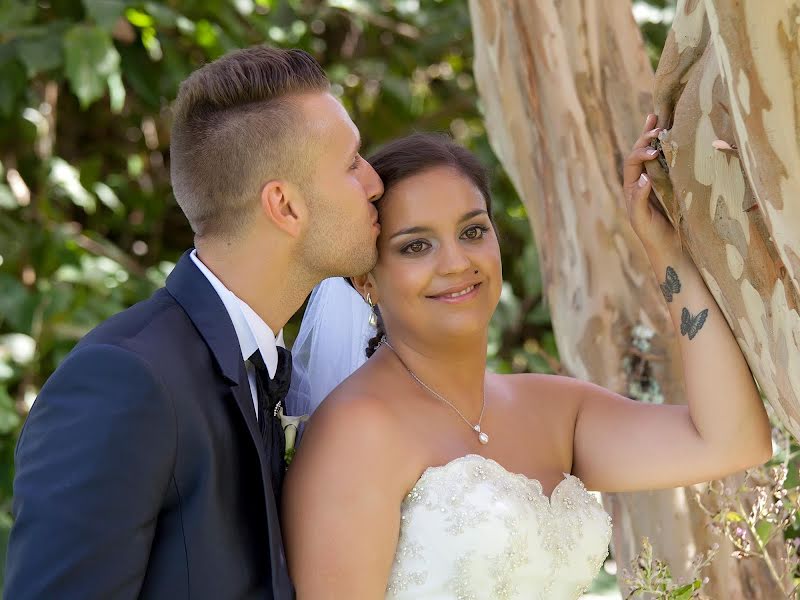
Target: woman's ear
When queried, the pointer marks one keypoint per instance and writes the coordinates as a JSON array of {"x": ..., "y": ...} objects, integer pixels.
[
  {"x": 283, "y": 205},
  {"x": 365, "y": 284}
]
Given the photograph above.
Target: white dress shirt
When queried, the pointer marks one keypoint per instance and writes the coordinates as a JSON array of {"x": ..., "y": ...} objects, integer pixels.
[{"x": 251, "y": 330}]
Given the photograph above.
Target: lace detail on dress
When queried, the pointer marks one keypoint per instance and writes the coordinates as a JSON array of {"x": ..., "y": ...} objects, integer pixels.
[{"x": 471, "y": 530}]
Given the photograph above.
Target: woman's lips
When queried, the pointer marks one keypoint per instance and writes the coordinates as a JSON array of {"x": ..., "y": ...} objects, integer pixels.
[{"x": 459, "y": 296}]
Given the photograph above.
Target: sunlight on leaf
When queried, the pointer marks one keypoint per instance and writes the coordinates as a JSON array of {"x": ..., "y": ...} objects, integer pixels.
[
  {"x": 91, "y": 59},
  {"x": 65, "y": 177},
  {"x": 139, "y": 18}
]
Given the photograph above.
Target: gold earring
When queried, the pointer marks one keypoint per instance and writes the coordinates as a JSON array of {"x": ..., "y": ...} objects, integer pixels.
[{"x": 373, "y": 316}]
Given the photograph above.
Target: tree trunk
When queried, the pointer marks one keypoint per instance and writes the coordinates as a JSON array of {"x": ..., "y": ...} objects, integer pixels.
[
  {"x": 566, "y": 86},
  {"x": 730, "y": 76}
]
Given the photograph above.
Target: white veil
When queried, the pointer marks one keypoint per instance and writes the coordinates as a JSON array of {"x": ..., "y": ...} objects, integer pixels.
[{"x": 331, "y": 344}]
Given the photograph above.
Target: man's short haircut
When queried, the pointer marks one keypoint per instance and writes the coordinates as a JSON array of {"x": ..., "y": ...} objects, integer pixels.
[{"x": 234, "y": 128}]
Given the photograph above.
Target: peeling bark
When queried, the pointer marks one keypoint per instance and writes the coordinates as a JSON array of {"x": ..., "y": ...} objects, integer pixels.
[
  {"x": 566, "y": 86},
  {"x": 731, "y": 100}
]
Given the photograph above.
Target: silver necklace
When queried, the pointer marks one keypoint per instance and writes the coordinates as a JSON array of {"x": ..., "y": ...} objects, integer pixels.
[{"x": 483, "y": 437}]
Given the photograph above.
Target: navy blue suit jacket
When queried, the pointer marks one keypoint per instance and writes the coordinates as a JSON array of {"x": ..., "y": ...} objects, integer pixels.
[{"x": 140, "y": 471}]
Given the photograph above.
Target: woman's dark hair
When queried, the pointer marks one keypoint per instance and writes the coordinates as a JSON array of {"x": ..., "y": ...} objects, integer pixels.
[{"x": 414, "y": 154}]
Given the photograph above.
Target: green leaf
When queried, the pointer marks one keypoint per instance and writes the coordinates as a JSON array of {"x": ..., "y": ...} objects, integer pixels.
[
  {"x": 540, "y": 315},
  {"x": 66, "y": 178},
  {"x": 14, "y": 13},
  {"x": 763, "y": 530},
  {"x": 12, "y": 74},
  {"x": 9, "y": 419},
  {"x": 116, "y": 92},
  {"x": 163, "y": 15},
  {"x": 91, "y": 59},
  {"x": 205, "y": 34},
  {"x": 108, "y": 197},
  {"x": 685, "y": 592},
  {"x": 7, "y": 200},
  {"x": 139, "y": 18},
  {"x": 40, "y": 52},
  {"x": 152, "y": 44},
  {"x": 105, "y": 13},
  {"x": 16, "y": 303}
]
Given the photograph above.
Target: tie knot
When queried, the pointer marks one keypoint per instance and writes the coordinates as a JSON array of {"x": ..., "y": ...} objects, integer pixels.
[
  {"x": 258, "y": 361},
  {"x": 278, "y": 386}
]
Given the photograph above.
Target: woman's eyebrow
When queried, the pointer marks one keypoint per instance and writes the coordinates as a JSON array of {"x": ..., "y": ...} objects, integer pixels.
[
  {"x": 408, "y": 230},
  {"x": 420, "y": 229},
  {"x": 474, "y": 213}
]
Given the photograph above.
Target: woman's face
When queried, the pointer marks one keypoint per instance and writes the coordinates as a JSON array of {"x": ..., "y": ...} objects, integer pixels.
[{"x": 438, "y": 271}]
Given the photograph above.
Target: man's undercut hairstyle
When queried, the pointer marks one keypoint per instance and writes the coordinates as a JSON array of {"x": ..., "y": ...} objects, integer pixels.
[{"x": 235, "y": 127}]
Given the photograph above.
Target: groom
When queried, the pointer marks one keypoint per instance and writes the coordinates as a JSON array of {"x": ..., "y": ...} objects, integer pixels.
[{"x": 151, "y": 462}]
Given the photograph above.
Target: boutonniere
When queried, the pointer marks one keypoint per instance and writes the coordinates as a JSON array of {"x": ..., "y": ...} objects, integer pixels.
[{"x": 290, "y": 425}]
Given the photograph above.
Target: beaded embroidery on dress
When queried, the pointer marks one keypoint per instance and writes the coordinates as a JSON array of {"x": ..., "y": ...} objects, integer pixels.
[{"x": 471, "y": 530}]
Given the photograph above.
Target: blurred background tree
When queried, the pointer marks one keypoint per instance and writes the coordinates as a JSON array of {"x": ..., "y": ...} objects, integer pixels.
[{"x": 88, "y": 223}]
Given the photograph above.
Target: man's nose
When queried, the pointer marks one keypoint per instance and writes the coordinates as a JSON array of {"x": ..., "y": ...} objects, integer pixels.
[{"x": 374, "y": 185}]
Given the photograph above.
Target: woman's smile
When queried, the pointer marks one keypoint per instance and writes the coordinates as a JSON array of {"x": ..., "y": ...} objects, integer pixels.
[{"x": 459, "y": 294}]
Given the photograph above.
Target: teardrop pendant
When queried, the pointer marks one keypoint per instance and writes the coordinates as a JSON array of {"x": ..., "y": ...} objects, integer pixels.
[{"x": 483, "y": 438}]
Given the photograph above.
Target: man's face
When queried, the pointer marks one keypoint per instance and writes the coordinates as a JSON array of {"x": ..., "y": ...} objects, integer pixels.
[{"x": 343, "y": 222}]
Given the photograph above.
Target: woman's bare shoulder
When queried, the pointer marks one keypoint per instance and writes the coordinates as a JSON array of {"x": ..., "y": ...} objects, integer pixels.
[
  {"x": 354, "y": 426},
  {"x": 353, "y": 411},
  {"x": 543, "y": 388}
]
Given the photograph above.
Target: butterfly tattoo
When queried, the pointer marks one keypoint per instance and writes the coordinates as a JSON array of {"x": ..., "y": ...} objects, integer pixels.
[
  {"x": 690, "y": 325},
  {"x": 672, "y": 285}
]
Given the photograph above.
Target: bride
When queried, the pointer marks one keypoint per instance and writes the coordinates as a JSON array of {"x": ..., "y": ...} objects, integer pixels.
[{"x": 425, "y": 476}]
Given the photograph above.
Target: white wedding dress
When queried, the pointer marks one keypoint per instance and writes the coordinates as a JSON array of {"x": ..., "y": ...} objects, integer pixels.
[{"x": 471, "y": 530}]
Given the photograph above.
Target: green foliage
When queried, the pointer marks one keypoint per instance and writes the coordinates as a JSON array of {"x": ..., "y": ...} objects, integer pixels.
[
  {"x": 651, "y": 578},
  {"x": 761, "y": 517},
  {"x": 92, "y": 64},
  {"x": 88, "y": 223}
]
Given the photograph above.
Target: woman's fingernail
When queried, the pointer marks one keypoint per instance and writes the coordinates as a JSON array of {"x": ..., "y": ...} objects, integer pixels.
[
  {"x": 651, "y": 151},
  {"x": 642, "y": 180}
]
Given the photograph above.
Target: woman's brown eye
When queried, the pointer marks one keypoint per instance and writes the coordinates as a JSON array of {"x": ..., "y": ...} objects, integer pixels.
[
  {"x": 416, "y": 247},
  {"x": 474, "y": 233}
]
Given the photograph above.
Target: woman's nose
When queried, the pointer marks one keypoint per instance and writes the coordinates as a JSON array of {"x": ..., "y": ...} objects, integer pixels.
[{"x": 453, "y": 259}]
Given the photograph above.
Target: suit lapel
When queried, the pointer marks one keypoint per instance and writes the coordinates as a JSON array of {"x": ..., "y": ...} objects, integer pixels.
[{"x": 204, "y": 307}]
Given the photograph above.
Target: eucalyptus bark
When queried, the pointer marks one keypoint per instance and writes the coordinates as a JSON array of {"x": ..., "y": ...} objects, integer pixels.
[
  {"x": 728, "y": 89},
  {"x": 566, "y": 86}
]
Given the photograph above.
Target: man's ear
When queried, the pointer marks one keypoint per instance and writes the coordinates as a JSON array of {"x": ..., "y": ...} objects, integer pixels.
[
  {"x": 284, "y": 205},
  {"x": 365, "y": 284}
]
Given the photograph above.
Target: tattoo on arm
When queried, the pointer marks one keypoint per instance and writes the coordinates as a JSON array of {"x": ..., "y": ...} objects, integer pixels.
[
  {"x": 690, "y": 325},
  {"x": 671, "y": 285}
]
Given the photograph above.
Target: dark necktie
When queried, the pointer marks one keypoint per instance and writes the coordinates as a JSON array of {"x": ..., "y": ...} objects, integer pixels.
[{"x": 270, "y": 394}]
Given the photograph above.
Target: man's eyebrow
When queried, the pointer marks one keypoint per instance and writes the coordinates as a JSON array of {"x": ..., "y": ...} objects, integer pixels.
[{"x": 418, "y": 229}]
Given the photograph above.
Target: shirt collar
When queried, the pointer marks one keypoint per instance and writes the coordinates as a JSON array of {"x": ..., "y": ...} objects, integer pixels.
[{"x": 251, "y": 330}]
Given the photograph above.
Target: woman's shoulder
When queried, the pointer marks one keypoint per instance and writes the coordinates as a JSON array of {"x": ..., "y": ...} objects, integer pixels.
[
  {"x": 356, "y": 426},
  {"x": 541, "y": 397},
  {"x": 352, "y": 412},
  {"x": 542, "y": 387}
]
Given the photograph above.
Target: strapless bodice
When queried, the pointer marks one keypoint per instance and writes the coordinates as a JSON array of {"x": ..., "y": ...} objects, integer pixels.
[{"x": 471, "y": 530}]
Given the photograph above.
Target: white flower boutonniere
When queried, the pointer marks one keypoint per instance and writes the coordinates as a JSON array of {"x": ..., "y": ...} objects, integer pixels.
[{"x": 290, "y": 425}]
